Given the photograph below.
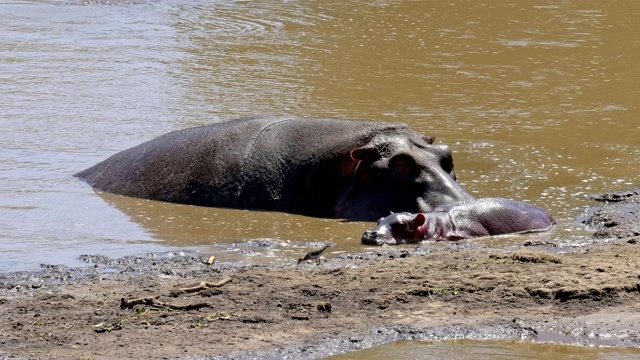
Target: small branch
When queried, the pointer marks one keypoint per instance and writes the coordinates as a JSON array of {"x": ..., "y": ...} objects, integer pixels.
[
  {"x": 153, "y": 301},
  {"x": 185, "y": 307},
  {"x": 203, "y": 286}
]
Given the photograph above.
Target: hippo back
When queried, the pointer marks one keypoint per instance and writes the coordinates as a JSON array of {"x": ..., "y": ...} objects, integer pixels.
[
  {"x": 232, "y": 164},
  {"x": 303, "y": 166},
  {"x": 497, "y": 216}
]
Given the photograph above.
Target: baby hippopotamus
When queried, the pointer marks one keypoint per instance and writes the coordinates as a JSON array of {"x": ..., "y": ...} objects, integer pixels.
[{"x": 461, "y": 220}]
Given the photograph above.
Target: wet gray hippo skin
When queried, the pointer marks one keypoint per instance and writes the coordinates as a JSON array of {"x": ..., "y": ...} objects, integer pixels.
[
  {"x": 318, "y": 167},
  {"x": 461, "y": 220}
]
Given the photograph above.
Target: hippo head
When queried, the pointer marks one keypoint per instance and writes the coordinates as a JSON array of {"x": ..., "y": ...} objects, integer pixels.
[
  {"x": 397, "y": 228},
  {"x": 400, "y": 172}
]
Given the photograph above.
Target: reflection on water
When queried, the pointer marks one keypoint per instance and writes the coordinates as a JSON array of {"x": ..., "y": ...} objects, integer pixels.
[
  {"x": 537, "y": 100},
  {"x": 486, "y": 350}
]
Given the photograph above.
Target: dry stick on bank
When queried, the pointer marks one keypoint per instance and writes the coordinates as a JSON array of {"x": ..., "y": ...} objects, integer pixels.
[
  {"x": 203, "y": 286},
  {"x": 153, "y": 300}
]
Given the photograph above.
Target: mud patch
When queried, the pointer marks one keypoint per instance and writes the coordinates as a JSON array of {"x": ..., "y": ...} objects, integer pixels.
[
  {"x": 617, "y": 217},
  {"x": 536, "y": 257}
]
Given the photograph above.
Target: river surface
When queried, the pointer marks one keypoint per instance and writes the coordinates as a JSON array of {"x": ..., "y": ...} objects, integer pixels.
[
  {"x": 538, "y": 100},
  {"x": 487, "y": 350}
]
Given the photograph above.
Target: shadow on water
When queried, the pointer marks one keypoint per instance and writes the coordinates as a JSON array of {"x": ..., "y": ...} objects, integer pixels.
[{"x": 239, "y": 235}]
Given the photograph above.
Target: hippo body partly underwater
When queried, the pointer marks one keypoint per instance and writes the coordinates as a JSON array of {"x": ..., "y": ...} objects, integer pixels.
[
  {"x": 462, "y": 220},
  {"x": 317, "y": 167}
]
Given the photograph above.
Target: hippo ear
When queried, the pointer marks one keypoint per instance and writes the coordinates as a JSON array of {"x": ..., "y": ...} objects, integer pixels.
[
  {"x": 364, "y": 153},
  {"x": 418, "y": 220},
  {"x": 429, "y": 139}
]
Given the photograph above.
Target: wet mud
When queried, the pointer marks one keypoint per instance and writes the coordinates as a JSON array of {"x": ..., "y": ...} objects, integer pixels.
[{"x": 617, "y": 217}]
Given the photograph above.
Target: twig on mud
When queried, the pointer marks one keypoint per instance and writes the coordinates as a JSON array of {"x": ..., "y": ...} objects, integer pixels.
[
  {"x": 202, "y": 286},
  {"x": 153, "y": 301}
]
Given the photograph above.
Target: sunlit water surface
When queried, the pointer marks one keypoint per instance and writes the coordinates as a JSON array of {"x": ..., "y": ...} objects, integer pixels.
[{"x": 538, "y": 101}]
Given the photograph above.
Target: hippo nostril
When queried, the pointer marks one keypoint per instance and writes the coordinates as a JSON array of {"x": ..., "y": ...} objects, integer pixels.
[
  {"x": 369, "y": 238},
  {"x": 369, "y": 234}
]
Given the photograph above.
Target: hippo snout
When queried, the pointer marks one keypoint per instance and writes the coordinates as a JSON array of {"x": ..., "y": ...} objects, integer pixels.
[
  {"x": 373, "y": 237},
  {"x": 370, "y": 237}
]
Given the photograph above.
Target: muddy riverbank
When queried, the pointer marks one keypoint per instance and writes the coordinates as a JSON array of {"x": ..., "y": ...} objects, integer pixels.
[{"x": 582, "y": 295}]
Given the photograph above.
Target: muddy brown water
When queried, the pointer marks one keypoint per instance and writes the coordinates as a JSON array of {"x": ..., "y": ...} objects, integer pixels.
[
  {"x": 538, "y": 100},
  {"x": 486, "y": 350}
]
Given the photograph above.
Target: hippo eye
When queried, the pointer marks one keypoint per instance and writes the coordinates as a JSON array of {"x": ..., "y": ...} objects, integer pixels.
[
  {"x": 380, "y": 220},
  {"x": 404, "y": 165},
  {"x": 401, "y": 226}
]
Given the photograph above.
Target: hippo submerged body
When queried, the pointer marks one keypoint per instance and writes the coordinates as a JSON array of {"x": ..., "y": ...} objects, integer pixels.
[
  {"x": 461, "y": 220},
  {"x": 316, "y": 167}
]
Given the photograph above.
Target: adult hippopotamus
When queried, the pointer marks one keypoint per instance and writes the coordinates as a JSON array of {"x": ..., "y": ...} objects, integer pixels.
[
  {"x": 462, "y": 220},
  {"x": 317, "y": 167}
]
